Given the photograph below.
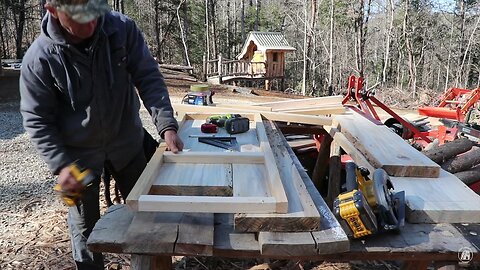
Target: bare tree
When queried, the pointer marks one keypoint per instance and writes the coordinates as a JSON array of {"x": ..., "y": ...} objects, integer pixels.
[
  {"x": 182, "y": 34},
  {"x": 387, "y": 41}
]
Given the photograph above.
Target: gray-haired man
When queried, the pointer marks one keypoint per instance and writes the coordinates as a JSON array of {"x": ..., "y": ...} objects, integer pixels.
[{"x": 79, "y": 104}]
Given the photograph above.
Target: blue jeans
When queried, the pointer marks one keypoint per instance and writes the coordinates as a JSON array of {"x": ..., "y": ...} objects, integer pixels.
[{"x": 82, "y": 218}]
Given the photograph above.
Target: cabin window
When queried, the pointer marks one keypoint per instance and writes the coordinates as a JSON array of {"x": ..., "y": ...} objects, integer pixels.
[{"x": 275, "y": 57}]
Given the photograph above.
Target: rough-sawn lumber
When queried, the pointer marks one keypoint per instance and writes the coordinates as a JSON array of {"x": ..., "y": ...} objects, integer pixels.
[{"x": 385, "y": 149}]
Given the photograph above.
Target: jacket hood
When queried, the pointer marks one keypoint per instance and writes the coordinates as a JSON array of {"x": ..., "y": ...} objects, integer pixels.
[
  {"x": 52, "y": 30},
  {"x": 53, "y": 34}
]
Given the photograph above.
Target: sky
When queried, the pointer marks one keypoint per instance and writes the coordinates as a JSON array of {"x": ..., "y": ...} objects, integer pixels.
[{"x": 444, "y": 5}]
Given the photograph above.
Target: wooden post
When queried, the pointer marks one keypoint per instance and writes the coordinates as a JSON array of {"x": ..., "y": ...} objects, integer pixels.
[
  {"x": 144, "y": 262},
  {"x": 334, "y": 174},
  {"x": 415, "y": 265},
  {"x": 205, "y": 67},
  {"x": 220, "y": 68},
  {"x": 320, "y": 170},
  {"x": 267, "y": 85}
]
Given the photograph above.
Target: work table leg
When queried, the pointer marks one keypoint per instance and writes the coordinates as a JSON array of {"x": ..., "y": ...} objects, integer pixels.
[
  {"x": 415, "y": 265},
  {"x": 144, "y": 262}
]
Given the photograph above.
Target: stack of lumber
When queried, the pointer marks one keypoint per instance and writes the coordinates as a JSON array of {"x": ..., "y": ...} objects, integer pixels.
[
  {"x": 177, "y": 72},
  {"x": 433, "y": 195},
  {"x": 459, "y": 157},
  {"x": 308, "y": 106}
]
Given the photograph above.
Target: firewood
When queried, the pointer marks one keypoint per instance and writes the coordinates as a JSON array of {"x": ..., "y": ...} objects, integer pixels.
[
  {"x": 464, "y": 161},
  {"x": 470, "y": 176},
  {"x": 449, "y": 150}
]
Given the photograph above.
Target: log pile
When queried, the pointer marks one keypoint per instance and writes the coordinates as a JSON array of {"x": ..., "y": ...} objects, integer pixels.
[
  {"x": 460, "y": 157},
  {"x": 177, "y": 72}
]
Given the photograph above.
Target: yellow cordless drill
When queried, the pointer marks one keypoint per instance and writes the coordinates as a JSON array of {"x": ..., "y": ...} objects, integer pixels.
[{"x": 82, "y": 175}]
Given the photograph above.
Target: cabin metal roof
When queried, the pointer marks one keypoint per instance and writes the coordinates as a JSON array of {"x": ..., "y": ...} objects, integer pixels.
[{"x": 266, "y": 41}]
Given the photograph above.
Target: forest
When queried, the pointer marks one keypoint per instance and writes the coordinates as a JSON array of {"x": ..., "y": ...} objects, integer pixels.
[{"x": 410, "y": 45}]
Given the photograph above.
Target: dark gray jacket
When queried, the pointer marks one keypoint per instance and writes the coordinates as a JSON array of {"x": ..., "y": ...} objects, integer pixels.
[{"x": 83, "y": 105}]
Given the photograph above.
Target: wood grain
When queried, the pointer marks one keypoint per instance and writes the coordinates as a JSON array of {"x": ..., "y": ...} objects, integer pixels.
[
  {"x": 194, "y": 180},
  {"x": 385, "y": 149},
  {"x": 274, "y": 116},
  {"x": 302, "y": 215}
]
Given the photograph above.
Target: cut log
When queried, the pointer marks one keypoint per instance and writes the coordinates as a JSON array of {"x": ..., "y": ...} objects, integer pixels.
[
  {"x": 446, "y": 151},
  {"x": 176, "y": 77},
  {"x": 470, "y": 176},
  {"x": 176, "y": 67},
  {"x": 464, "y": 161}
]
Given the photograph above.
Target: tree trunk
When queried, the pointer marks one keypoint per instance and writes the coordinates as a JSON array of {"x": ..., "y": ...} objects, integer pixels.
[
  {"x": 330, "y": 53},
  {"x": 207, "y": 30},
  {"x": 461, "y": 41},
  {"x": 258, "y": 5},
  {"x": 19, "y": 9},
  {"x": 464, "y": 161},
  {"x": 182, "y": 34},
  {"x": 228, "y": 30},
  {"x": 468, "y": 48},
  {"x": 304, "y": 77},
  {"x": 387, "y": 42},
  {"x": 213, "y": 26},
  {"x": 448, "y": 150},
  {"x": 412, "y": 83},
  {"x": 243, "y": 19},
  {"x": 157, "y": 30},
  {"x": 449, "y": 57}
]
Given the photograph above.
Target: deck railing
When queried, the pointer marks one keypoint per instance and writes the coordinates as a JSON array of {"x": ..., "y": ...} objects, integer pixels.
[{"x": 221, "y": 68}]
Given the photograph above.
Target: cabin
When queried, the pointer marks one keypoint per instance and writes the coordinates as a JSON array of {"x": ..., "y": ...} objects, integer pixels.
[{"x": 262, "y": 58}]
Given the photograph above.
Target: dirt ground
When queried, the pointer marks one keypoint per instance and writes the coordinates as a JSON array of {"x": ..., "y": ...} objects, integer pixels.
[{"x": 33, "y": 231}]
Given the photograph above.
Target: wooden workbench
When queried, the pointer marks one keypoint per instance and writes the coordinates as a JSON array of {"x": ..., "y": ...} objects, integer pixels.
[{"x": 152, "y": 237}]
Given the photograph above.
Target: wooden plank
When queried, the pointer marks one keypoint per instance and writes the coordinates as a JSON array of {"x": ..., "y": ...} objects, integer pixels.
[
  {"x": 348, "y": 147},
  {"x": 330, "y": 238},
  {"x": 244, "y": 107},
  {"x": 301, "y": 215},
  {"x": 195, "y": 235},
  {"x": 286, "y": 244},
  {"x": 147, "y": 177},
  {"x": 384, "y": 149},
  {"x": 218, "y": 158},
  {"x": 429, "y": 200},
  {"x": 334, "y": 173},
  {"x": 274, "y": 116},
  {"x": 300, "y": 103},
  {"x": 321, "y": 165},
  {"x": 443, "y": 199},
  {"x": 108, "y": 235},
  {"x": 164, "y": 228},
  {"x": 327, "y": 110},
  {"x": 206, "y": 204},
  {"x": 273, "y": 176},
  {"x": 184, "y": 179}
]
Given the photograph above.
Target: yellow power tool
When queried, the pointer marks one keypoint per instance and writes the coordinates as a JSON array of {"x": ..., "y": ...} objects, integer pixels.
[
  {"x": 369, "y": 205},
  {"x": 84, "y": 176}
]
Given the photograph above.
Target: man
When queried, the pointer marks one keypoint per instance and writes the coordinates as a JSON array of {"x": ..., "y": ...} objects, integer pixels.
[{"x": 79, "y": 104}]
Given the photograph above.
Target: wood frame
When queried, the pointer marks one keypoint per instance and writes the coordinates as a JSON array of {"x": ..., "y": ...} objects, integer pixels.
[
  {"x": 274, "y": 116},
  {"x": 275, "y": 201}
]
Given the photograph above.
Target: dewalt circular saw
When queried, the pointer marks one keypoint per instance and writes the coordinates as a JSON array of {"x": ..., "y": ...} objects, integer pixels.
[{"x": 370, "y": 205}]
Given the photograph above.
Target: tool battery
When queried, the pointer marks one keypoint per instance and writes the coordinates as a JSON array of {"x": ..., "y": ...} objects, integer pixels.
[{"x": 354, "y": 214}]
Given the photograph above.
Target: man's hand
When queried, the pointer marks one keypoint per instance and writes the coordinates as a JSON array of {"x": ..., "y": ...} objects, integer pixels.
[
  {"x": 173, "y": 141},
  {"x": 68, "y": 182}
]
